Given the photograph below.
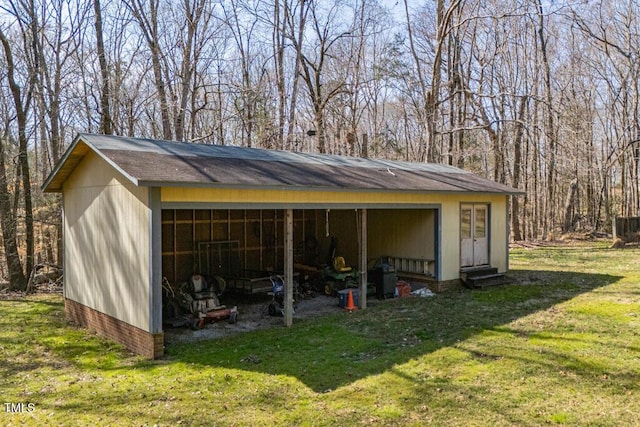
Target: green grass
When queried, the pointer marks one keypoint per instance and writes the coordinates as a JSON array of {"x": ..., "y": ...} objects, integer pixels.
[{"x": 559, "y": 346}]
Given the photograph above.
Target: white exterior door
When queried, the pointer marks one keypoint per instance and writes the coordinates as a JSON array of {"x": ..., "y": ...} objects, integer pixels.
[{"x": 474, "y": 241}]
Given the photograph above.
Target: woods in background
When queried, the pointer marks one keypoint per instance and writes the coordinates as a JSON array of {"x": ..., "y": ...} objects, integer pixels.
[{"x": 542, "y": 96}]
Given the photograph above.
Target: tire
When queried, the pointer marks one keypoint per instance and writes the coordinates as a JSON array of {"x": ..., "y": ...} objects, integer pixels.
[
  {"x": 233, "y": 318},
  {"x": 171, "y": 310},
  {"x": 330, "y": 288}
]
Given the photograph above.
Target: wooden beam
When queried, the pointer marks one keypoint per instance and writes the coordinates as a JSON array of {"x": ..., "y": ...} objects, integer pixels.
[
  {"x": 363, "y": 258},
  {"x": 288, "y": 267}
]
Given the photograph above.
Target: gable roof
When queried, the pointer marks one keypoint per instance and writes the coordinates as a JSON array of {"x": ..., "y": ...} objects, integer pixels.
[{"x": 155, "y": 163}]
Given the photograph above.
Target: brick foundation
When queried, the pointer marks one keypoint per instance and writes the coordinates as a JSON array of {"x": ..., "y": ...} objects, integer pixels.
[
  {"x": 135, "y": 339},
  {"x": 447, "y": 285},
  {"x": 433, "y": 285}
]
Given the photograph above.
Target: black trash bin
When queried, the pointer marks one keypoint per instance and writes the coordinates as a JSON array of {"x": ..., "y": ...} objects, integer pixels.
[{"x": 383, "y": 274}]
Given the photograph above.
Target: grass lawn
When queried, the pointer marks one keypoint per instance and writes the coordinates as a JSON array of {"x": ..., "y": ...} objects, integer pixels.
[{"x": 559, "y": 346}]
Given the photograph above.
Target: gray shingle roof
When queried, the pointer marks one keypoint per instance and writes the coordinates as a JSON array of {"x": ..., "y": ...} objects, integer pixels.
[{"x": 150, "y": 162}]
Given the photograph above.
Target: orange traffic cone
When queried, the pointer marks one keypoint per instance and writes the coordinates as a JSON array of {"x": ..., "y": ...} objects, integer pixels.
[{"x": 350, "y": 305}]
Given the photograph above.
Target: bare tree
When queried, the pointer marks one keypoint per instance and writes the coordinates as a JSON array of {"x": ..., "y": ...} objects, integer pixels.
[
  {"x": 550, "y": 133},
  {"x": 148, "y": 21},
  {"x": 542, "y": 96},
  {"x": 194, "y": 16},
  {"x": 614, "y": 34},
  {"x": 9, "y": 223},
  {"x": 320, "y": 88},
  {"x": 243, "y": 34},
  {"x": 296, "y": 38},
  {"x": 105, "y": 96}
]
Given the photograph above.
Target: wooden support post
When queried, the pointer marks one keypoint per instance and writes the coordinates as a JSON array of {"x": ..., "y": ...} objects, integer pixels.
[
  {"x": 155, "y": 265},
  {"x": 363, "y": 258},
  {"x": 288, "y": 267}
]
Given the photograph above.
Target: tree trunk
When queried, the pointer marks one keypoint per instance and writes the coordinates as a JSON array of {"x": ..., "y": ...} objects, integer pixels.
[
  {"x": 105, "y": 110},
  {"x": 427, "y": 95},
  {"x": 17, "y": 279},
  {"x": 364, "y": 152},
  {"x": 550, "y": 126},
  {"x": 297, "y": 40},
  {"x": 278, "y": 41},
  {"x": 517, "y": 166},
  {"x": 148, "y": 22},
  {"x": 320, "y": 130},
  {"x": 569, "y": 206},
  {"x": 23, "y": 159}
]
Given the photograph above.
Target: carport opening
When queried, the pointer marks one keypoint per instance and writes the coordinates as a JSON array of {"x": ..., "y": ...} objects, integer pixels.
[
  {"x": 245, "y": 248},
  {"x": 236, "y": 243}
]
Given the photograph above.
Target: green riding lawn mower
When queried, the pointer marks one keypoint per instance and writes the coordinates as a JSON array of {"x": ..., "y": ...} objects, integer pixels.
[{"x": 338, "y": 276}]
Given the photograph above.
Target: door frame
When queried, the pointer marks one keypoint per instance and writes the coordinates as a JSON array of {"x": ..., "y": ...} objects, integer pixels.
[{"x": 469, "y": 247}]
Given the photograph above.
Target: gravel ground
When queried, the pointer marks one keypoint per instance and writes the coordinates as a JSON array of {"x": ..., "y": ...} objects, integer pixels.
[{"x": 253, "y": 315}]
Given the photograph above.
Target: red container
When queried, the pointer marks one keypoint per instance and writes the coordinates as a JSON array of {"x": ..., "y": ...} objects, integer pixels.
[{"x": 403, "y": 289}]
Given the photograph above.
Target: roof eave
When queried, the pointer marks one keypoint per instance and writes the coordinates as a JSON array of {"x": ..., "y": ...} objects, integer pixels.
[
  {"x": 181, "y": 184},
  {"x": 47, "y": 185},
  {"x": 61, "y": 172}
]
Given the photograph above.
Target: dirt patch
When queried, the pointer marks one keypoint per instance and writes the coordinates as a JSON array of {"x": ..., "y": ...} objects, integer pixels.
[
  {"x": 565, "y": 240},
  {"x": 42, "y": 288}
]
